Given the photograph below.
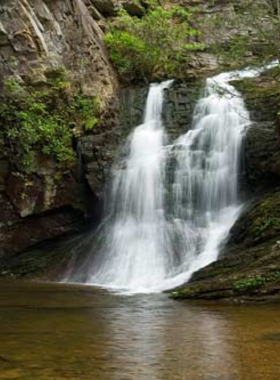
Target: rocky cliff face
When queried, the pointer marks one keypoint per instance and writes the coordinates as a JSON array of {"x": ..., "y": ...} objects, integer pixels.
[{"x": 38, "y": 38}]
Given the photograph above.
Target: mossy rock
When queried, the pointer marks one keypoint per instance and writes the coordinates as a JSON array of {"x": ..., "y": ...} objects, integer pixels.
[
  {"x": 43, "y": 119},
  {"x": 249, "y": 266},
  {"x": 262, "y": 95},
  {"x": 259, "y": 223}
]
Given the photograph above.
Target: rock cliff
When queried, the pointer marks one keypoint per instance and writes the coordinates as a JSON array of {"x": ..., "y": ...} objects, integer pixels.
[{"x": 39, "y": 38}]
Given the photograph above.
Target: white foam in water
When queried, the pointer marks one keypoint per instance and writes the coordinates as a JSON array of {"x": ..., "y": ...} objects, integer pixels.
[{"x": 161, "y": 228}]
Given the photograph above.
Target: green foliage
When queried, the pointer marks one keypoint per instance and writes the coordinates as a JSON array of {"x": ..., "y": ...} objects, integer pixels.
[
  {"x": 31, "y": 126},
  {"x": 127, "y": 53},
  {"x": 152, "y": 3},
  {"x": 236, "y": 48},
  {"x": 265, "y": 218},
  {"x": 12, "y": 85},
  {"x": 181, "y": 294},
  {"x": 263, "y": 224},
  {"x": 253, "y": 283},
  {"x": 87, "y": 110},
  {"x": 157, "y": 44},
  {"x": 58, "y": 79},
  {"x": 42, "y": 121}
]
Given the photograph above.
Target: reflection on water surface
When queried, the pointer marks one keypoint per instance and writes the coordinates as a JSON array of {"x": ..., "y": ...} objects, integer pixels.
[{"x": 58, "y": 332}]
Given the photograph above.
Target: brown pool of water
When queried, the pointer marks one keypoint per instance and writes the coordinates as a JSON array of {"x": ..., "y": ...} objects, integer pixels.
[{"x": 59, "y": 332}]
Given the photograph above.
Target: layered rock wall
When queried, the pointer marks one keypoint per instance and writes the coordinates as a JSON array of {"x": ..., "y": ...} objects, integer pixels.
[{"x": 37, "y": 38}]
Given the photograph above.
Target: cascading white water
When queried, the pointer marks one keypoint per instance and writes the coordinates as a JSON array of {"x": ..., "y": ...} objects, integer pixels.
[
  {"x": 161, "y": 228},
  {"x": 205, "y": 187},
  {"x": 134, "y": 232}
]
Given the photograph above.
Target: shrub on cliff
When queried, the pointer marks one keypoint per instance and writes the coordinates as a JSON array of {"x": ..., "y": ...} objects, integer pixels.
[
  {"x": 41, "y": 122},
  {"x": 156, "y": 45}
]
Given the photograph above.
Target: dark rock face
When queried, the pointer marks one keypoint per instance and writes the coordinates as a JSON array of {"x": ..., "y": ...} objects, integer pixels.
[
  {"x": 262, "y": 156},
  {"x": 40, "y": 208},
  {"x": 18, "y": 234},
  {"x": 180, "y": 101},
  {"x": 262, "y": 144},
  {"x": 50, "y": 260}
]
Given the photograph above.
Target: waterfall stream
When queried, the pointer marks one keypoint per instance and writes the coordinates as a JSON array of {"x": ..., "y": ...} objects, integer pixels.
[
  {"x": 171, "y": 206},
  {"x": 134, "y": 255}
]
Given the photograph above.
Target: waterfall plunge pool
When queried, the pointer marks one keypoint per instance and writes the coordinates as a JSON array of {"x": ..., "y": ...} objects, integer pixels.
[{"x": 72, "y": 332}]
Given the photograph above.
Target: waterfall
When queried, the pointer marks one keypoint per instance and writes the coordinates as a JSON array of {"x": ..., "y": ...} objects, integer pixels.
[
  {"x": 205, "y": 186},
  {"x": 134, "y": 236},
  {"x": 171, "y": 206}
]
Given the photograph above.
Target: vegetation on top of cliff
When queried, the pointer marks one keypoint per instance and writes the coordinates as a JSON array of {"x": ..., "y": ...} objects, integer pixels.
[
  {"x": 256, "y": 37},
  {"x": 154, "y": 46},
  {"x": 42, "y": 121}
]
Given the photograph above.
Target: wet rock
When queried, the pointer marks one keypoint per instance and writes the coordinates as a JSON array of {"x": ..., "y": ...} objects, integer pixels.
[
  {"x": 180, "y": 101},
  {"x": 24, "y": 233},
  {"x": 261, "y": 95},
  {"x": 261, "y": 156}
]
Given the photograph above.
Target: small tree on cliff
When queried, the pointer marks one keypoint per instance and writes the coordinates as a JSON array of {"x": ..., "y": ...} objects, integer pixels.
[{"x": 156, "y": 45}]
